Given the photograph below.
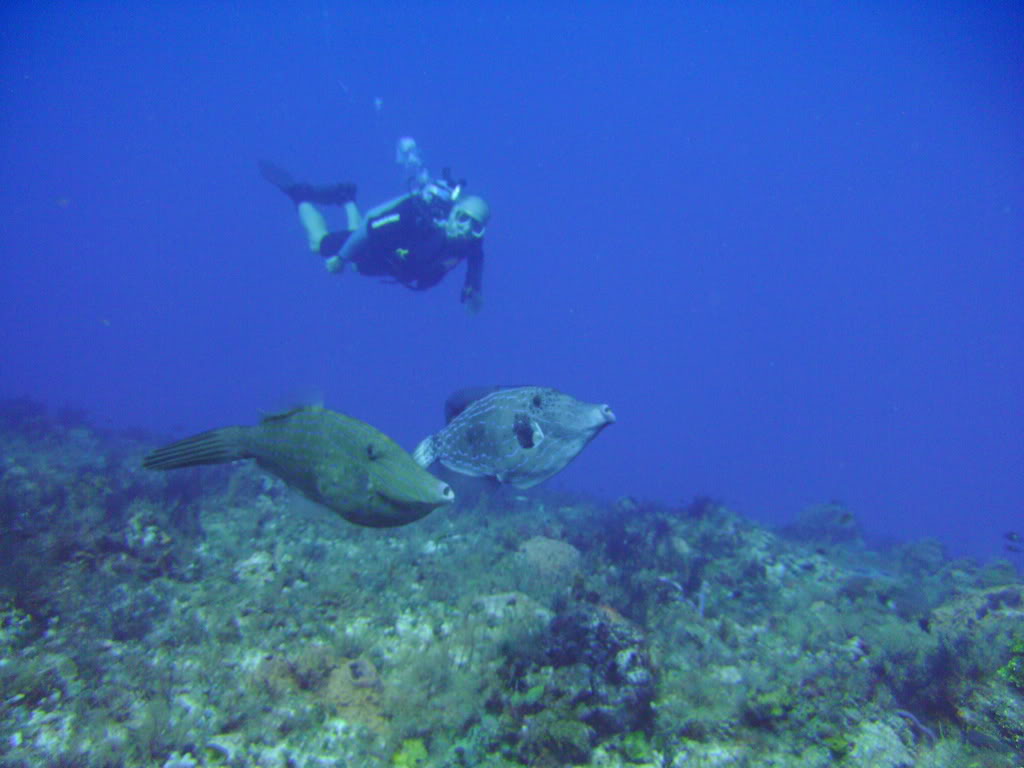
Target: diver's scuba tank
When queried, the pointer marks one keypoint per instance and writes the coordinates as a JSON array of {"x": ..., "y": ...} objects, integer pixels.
[
  {"x": 407, "y": 155},
  {"x": 436, "y": 195}
]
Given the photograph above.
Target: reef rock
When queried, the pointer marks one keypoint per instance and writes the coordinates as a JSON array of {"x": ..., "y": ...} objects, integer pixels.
[
  {"x": 606, "y": 654},
  {"x": 591, "y": 669}
]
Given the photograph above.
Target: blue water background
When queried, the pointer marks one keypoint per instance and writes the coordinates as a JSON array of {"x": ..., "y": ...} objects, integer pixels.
[{"x": 783, "y": 240}]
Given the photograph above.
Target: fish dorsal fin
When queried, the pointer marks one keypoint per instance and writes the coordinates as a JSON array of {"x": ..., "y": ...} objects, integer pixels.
[
  {"x": 282, "y": 415},
  {"x": 461, "y": 399}
]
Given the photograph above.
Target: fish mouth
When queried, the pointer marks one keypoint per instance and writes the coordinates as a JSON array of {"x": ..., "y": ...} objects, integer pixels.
[
  {"x": 607, "y": 414},
  {"x": 444, "y": 495}
]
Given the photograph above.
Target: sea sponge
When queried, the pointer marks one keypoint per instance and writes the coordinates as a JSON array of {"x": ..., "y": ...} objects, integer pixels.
[{"x": 550, "y": 558}]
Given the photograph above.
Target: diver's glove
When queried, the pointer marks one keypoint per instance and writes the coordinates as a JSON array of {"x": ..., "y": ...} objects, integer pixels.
[
  {"x": 335, "y": 265},
  {"x": 473, "y": 300}
]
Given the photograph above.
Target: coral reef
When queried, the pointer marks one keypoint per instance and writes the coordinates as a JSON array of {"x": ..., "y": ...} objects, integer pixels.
[{"x": 212, "y": 617}]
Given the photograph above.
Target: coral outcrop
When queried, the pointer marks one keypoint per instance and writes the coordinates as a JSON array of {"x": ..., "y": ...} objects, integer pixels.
[{"x": 218, "y": 619}]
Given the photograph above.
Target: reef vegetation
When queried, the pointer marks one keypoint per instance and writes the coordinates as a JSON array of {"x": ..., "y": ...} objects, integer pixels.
[{"x": 212, "y": 617}]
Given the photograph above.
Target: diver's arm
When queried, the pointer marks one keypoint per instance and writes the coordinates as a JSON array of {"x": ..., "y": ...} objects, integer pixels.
[
  {"x": 472, "y": 286},
  {"x": 385, "y": 207}
]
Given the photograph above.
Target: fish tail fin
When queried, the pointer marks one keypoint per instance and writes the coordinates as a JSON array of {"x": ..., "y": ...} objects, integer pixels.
[
  {"x": 214, "y": 447},
  {"x": 426, "y": 452}
]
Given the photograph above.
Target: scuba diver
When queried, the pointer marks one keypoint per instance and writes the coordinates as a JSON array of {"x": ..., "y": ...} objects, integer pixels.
[{"x": 414, "y": 239}]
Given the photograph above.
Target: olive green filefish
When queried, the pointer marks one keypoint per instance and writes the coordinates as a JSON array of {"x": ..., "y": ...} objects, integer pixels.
[{"x": 332, "y": 459}]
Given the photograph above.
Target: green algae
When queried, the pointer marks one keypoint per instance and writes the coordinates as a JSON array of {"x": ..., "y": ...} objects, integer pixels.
[
  {"x": 637, "y": 748},
  {"x": 413, "y": 753},
  {"x": 1013, "y": 671}
]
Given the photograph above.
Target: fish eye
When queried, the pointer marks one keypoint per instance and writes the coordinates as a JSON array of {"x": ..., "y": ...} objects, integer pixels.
[
  {"x": 536, "y": 400},
  {"x": 372, "y": 452}
]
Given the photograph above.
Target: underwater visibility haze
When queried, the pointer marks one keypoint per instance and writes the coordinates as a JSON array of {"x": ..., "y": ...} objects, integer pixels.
[{"x": 783, "y": 242}]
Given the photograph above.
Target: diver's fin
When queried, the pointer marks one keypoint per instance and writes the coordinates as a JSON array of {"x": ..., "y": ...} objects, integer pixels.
[
  {"x": 214, "y": 447},
  {"x": 276, "y": 175},
  {"x": 327, "y": 194},
  {"x": 426, "y": 452}
]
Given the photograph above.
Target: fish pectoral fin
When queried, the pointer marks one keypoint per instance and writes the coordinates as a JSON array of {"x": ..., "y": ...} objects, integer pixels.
[
  {"x": 503, "y": 478},
  {"x": 463, "y": 469},
  {"x": 527, "y": 431}
]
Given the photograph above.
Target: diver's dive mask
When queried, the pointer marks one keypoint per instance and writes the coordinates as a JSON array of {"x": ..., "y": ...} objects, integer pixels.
[{"x": 468, "y": 219}]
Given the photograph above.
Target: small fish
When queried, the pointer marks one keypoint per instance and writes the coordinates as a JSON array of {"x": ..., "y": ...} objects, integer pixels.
[
  {"x": 1013, "y": 536},
  {"x": 332, "y": 459},
  {"x": 519, "y": 435}
]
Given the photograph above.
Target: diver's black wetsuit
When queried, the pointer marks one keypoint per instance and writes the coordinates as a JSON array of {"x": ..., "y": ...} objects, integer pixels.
[{"x": 405, "y": 242}]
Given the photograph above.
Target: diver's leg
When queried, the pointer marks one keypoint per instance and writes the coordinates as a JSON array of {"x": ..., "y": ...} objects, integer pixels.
[
  {"x": 345, "y": 247},
  {"x": 332, "y": 244},
  {"x": 352, "y": 215},
  {"x": 315, "y": 225},
  {"x": 339, "y": 248},
  {"x": 355, "y": 246}
]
